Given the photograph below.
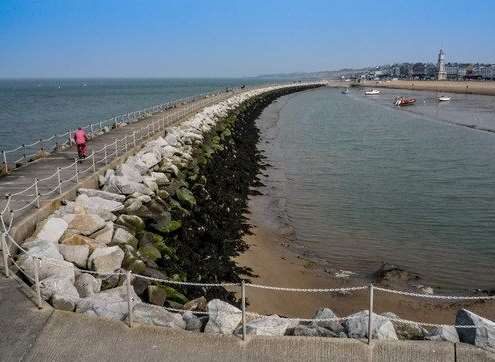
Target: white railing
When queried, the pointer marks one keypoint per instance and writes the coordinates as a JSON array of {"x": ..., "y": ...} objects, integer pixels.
[
  {"x": 242, "y": 288},
  {"x": 69, "y": 175}
]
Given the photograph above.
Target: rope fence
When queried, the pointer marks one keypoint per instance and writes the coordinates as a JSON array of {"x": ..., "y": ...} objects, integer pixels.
[{"x": 242, "y": 287}]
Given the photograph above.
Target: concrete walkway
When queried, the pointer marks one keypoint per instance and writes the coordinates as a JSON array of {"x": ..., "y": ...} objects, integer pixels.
[{"x": 30, "y": 334}]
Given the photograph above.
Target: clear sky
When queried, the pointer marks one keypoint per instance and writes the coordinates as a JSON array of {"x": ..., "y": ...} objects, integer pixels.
[{"x": 230, "y": 38}]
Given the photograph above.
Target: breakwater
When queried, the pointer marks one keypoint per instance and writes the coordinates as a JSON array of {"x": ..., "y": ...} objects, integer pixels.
[{"x": 154, "y": 212}]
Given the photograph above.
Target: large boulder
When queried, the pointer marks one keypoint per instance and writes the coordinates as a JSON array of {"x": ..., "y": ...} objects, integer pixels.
[
  {"x": 103, "y": 194},
  {"x": 111, "y": 303},
  {"x": 75, "y": 240},
  {"x": 76, "y": 254},
  {"x": 313, "y": 330},
  {"x": 128, "y": 170},
  {"x": 98, "y": 205},
  {"x": 123, "y": 185},
  {"x": 65, "y": 302},
  {"x": 445, "y": 333},
  {"x": 223, "y": 317},
  {"x": 157, "y": 295},
  {"x": 326, "y": 313},
  {"x": 483, "y": 335},
  {"x": 52, "y": 230},
  {"x": 158, "y": 316},
  {"x": 198, "y": 304},
  {"x": 149, "y": 159},
  {"x": 105, "y": 235},
  {"x": 131, "y": 222},
  {"x": 357, "y": 326},
  {"x": 160, "y": 178},
  {"x": 123, "y": 237},
  {"x": 61, "y": 285},
  {"x": 84, "y": 224},
  {"x": 267, "y": 326},
  {"x": 407, "y": 331},
  {"x": 106, "y": 260},
  {"x": 87, "y": 285},
  {"x": 193, "y": 323}
]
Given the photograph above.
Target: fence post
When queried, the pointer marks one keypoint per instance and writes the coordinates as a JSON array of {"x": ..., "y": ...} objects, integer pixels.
[
  {"x": 37, "y": 281},
  {"x": 370, "y": 314},
  {"x": 94, "y": 162},
  {"x": 37, "y": 193},
  {"x": 134, "y": 138},
  {"x": 24, "y": 153},
  {"x": 125, "y": 143},
  {"x": 91, "y": 130},
  {"x": 115, "y": 122},
  {"x": 129, "y": 297},
  {"x": 5, "y": 165},
  {"x": 243, "y": 298},
  {"x": 77, "y": 170},
  {"x": 116, "y": 148},
  {"x": 5, "y": 253},
  {"x": 59, "y": 180},
  {"x": 105, "y": 153}
]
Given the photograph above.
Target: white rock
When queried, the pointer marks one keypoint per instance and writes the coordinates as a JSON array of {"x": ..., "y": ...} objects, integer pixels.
[
  {"x": 104, "y": 235},
  {"x": 64, "y": 302},
  {"x": 171, "y": 139},
  {"x": 52, "y": 230},
  {"x": 158, "y": 316},
  {"x": 223, "y": 317},
  {"x": 150, "y": 183},
  {"x": 106, "y": 260},
  {"x": 267, "y": 326},
  {"x": 128, "y": 171},
  {"x": 77, "y": 254},
  {"x": 111, "y": 303},
  {"x": 61, "y": 285},
  {"x": 122, "y": 236},
  {"x": 447, "y": 333},
  {"x": 149, "y": 159},
  {"x": 87, "y": 285},
  {"x": 96, "y": 204},
  {"x": 357, "y": 326},
  {"x": 84, "y": 224},
  {"x": 103, "y": 194},
  {"x": 482, "y": 336}
]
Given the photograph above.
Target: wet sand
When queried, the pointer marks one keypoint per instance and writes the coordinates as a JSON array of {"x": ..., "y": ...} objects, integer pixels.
[
  {"x": 470, "y": 87},
  {"x": 276, "y": 262}
]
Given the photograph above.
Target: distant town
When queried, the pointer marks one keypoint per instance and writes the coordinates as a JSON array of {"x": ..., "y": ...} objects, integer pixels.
[{"x": 441, "y": 70}]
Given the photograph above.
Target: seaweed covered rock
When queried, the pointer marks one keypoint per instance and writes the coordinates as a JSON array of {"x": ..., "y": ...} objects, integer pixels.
[
  {"x": 132, "y": 222},
  {"x": 186, "y": 198}
]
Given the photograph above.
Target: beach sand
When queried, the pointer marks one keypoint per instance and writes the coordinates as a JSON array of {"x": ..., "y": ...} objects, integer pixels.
[
  {"x": 276, "y": 262},
  {"x": 471, "y": 87}
]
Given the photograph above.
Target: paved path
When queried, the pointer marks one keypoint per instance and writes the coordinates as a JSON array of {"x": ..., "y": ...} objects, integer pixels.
[
  {"x": 30, "y": 334},
  {"x": 23, "y": 177}
]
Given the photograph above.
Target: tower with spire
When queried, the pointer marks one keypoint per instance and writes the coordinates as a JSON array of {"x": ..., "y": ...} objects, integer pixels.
[{"x": 441, "y": 73}]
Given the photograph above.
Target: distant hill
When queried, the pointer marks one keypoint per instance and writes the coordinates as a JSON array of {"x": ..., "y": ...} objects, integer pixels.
[{"x": 326, "y": 74}]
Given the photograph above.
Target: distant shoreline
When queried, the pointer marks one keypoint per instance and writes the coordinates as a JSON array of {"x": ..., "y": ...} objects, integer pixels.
[{"x": 465, "y": 87}]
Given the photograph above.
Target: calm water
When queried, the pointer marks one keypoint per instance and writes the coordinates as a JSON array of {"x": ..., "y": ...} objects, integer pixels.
[
  {"x": 33, "y": 109},
  {"x": 367, "y": 183}
]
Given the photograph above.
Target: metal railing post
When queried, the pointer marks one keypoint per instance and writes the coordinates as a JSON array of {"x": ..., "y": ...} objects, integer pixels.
[
  {"x": 105, "y": 154},
  {"x": 116, "y": 149},
  {"x": 91, "y": 130},
  {"x": 70, "y": 137},
  {"x": 370, "y": 315},
  {"x": 37, "y": 282},
  {"x": 243, "y": 298},
  {"x": 24, "y": 153},
  {"x": 77, "y": 170},
  {"x": 37, "y": 193},
  {"x": 5, "y": 253},
  {"x": 115, "y": 122},
  {"x": 59, "y": 180},
  {"x": 129, "y": 297},
  {"x": 94, "y": 162},
  {"x": 125, "y": 143},
  {"x": 5, "y": 165},
  {"x": 134, "y": 139}
]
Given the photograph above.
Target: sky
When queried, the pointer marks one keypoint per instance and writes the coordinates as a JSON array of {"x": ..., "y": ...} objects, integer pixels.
[{"x": 230, "y": 38}]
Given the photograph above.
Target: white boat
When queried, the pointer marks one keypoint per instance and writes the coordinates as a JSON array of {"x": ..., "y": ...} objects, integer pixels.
[
  {"x": 444, "y": 98},
  {"x": 372, "y": 92},
  {"x": 346, "y": 91}
]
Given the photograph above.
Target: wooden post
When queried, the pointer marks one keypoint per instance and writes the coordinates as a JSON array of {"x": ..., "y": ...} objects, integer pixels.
[
  {"x": 129, "y": 297},
  {"x": 59, "y": 180},
  {"x": 370, "y": 315},
  {"x": 5, "y": 253},
  {"x": 37, "y": 282},
  {"x": 243, "y": 298}
]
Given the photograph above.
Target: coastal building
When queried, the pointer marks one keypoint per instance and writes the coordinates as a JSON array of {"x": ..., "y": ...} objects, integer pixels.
[{"x": 442, "y": 74}]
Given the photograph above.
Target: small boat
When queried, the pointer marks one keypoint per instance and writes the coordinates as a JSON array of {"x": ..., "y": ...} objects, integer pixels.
[
  {"x": 345, "y": 91},
  {"x": 444, "y": 99},
  {"x": 401, "y": 101},
  {"x": 372, "y": 92}
]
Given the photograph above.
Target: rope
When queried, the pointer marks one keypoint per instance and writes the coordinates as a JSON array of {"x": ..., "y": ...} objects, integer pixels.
[
  {"x": 307, "y": 290},
  {"x": 188, "y": 283},
  {"x": 448, "y": 297}
]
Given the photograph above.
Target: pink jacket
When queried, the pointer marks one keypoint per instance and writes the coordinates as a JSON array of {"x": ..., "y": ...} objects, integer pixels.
[{"x": 80, "y": 137}]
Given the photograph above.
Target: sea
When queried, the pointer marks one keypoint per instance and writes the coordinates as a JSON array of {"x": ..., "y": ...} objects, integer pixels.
[
  {"x": 361, "y": 182},
  {"x": 31, "y": 109}
]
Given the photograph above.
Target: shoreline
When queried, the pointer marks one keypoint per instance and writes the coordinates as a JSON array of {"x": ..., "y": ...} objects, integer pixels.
[
  {"x": 273, "y": 259},
  {"x": 462, "y": 87}
]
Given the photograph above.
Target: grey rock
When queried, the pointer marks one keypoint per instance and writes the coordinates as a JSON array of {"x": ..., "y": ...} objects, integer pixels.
[
  {"x": 267, "y": 326},
  {"x": 310, "y": 331},
  {"x": 357, "y": 326},
  {"x": 76, "y": 254},
  {"x": 157, "y": 316},
  {"x": 193, "y": 323},
  {"x": 482, "y": 336},
  {"x": 447, "y": 333},
  {"x": 52, "y": 230},
  {"x": 103, "y": 194},
  {"x": 198, "y": 304},
  {"x": 133, "y": 205},
  {"x": 128, "y": 171},
  {"x": 105, "y": 235},
  {"x": 97, "y": 205},
  {"x": 149, "y": 159},
  {"x": 123, "y": 237},
  {"x": 223, "y": 317},
  {"x": 64, "y": 302},
  {"x": 87, "y": 285},
  {"x": 111, "y": 303},
  {"x": 62, "y": 285},
  {"x": 160, "y": 178},
  {"x": 106, "y": 260},
  {"x": 326, "y": 313},
  {"x": 84, "y": 224}
]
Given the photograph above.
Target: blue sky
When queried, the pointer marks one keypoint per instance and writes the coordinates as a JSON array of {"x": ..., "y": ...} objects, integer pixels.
[{"x": 214, "y": 38}]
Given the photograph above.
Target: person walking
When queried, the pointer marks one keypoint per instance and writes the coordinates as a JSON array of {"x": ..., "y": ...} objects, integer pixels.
[{"x": 80, "y": 137}]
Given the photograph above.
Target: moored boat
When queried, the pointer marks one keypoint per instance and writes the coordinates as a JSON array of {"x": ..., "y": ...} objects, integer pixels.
[
  {"x": 372, "y": 92},
  {"x": 444, "y": 99},
  {"x": 346, "y": 91},
  {"x": 401, "y": 101}
]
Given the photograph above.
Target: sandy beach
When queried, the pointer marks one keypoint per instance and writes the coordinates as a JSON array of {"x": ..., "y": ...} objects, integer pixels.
[
  {"x": 276, "y": 263},
  {"x": 471, "y": 87}
]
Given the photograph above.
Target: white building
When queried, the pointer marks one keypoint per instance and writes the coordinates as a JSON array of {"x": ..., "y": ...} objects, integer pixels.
[{"x": 442, "y": 74}]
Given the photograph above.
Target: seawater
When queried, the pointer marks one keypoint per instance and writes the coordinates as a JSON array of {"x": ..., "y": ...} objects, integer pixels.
[
  {"x": 31, "y": 109},
  {"x": 366, "y": 183}
]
